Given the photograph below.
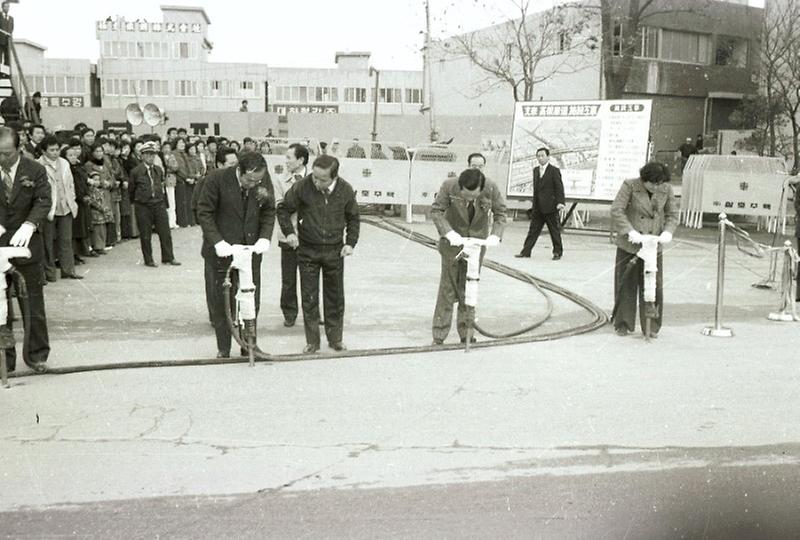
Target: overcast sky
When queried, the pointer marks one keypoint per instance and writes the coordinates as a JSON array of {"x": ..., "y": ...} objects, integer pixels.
[{"x": 274, "y": 32}]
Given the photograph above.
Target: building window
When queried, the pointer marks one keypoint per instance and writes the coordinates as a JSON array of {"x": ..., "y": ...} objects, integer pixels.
[
  {"x": 324, "y": 94},
  {"x": 185, "y": 88},
  {"x": 647, "y": 46},
  {"x": 107, "y": 49},
  {"x": 219, "y": 88},
  {"x": 388, "y": 95},
  {"x": 731, "y": 51},
  {"x": 283, "y": 93},
  {"x": 355, "y": 95},
  {"x": 413, "y": 95},
  {"x": 564, "y": 41},
  {"x": 688, "y": 47},
  {"x": 153, "y": 88},
  {"x": 616, "y": 38},
  {"x": 185, "y": 49},
  {"x": 299, "y": 94}
]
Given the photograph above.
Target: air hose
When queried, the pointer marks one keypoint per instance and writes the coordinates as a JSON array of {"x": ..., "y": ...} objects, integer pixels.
[
  {"x": 249, "y": 325},
  {"x": 599, "y": 318}
]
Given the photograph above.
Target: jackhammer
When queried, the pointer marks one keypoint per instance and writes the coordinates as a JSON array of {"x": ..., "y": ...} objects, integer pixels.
[
  {"x": 471, "y": 252},
  {"x": 6, "y": 334},
  {"x": 243, "y": 328}
]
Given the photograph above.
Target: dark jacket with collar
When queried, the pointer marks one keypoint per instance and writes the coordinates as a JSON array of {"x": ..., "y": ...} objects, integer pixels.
[
  {"x": 634, "y": 209},
  {"x": 30, "y": 200},
  {"x": 321, "y": 219},
  {"x": 141, "y": 188},
  {"x": 548, "y": 191},
  {"x": 225, "y": 213},
  {"x": 450, "y": 211},
  {"x": 7, "y": 24}
]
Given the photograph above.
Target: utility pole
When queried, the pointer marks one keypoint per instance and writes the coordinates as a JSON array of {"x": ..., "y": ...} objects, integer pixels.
[
  {"x": 375, "y": 102},
  {"x": 426, "y": 73}
]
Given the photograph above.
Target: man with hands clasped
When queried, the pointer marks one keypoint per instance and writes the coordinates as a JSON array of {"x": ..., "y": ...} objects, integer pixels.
[
  {"x": 328, "y": 225},
  {"x": 643, "y": 206},
  {"x": 237, "y": 206},
  {"x": 464, "y": 208}
]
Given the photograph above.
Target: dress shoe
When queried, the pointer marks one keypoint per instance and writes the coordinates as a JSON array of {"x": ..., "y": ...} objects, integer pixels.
[
  {"x": 321, "y": 322},
  {"x": 173, "y": 262},
  {"x": 338, "y": 346},
  {"x": 92, "y": 254},
  {"x": 79, "y": 261},
  {"x": 98, "y": 253},
  {"x": 438, "y": 342},
  {"x": 71, "y": 276},
  {"x": 473, "y": 340},
  {"x": 151, "y": 264},
  {"x": 522, "y": 256},
  {"x": 556, "y": 257},
  {"x": 221, "y": 354},
  {"x": 51, "y": 279},
  {"x": 288, "y": 323},
  {"x": 621, "y": 331},
  {"x": 39, "y": 367},
  {"x": 653, "y": 335},
  {"x": 311, "y": 349}
]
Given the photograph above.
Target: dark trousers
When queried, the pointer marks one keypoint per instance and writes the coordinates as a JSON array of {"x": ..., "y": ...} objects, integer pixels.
[
  {"x": 149, "y": 216},
  {"x": 452, "y": 281},
  {"x": 209, "y": 268},
  {"x": 538, "y": 221},
  {"x": 187, "y": 203},
  {"x": 5, "y": 56},
  {"x": 63, "y": 243},
  {"x": 36, "y": 346},
  {"x": 289, "y": 305},
  {"x": 182, "y": 205},
  {"x": 48, "y": 237},
  {"x": 221, "y": 327},
  {"x": 629, "y": 290},
  {"x": 311, "y": 260}
]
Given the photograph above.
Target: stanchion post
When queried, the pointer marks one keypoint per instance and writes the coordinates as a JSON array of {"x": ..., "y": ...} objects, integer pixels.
[
  {"x": 718, "y": 330},
  {"x": 787, "y": 312}
]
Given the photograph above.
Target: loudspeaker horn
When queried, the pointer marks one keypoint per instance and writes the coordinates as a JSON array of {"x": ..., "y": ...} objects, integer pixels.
[
  {"x": 134, "y": 115},
  {"x": 152, "y": 115}
]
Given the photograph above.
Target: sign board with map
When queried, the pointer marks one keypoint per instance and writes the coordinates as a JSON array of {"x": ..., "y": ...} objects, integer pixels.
[{"x": 596, "y": 144}]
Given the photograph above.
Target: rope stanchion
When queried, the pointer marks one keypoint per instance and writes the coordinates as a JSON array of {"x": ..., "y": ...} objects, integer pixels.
[
  {"x": 787, "y": 310},
  {"x": 718, "y": 330}
]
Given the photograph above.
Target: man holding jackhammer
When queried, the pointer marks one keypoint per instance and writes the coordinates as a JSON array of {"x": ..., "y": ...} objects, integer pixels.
[
  {"x": 464, "y": 207},
  {"x": 237, "y": 206}
]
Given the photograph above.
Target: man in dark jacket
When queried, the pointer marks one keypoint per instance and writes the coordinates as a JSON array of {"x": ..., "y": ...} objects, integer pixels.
[
  {"x": 6, "y": 25},
  {"x": 237, "y": 206},
  {"x": 147, "y": 193},
  {"x": 25, "y": 200},
  {"x": 327, "y": 232},
  {"x": 548, "y": 200}
]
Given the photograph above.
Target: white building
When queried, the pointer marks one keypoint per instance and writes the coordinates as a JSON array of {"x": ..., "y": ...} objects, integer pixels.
[
  {"x": 167, "y": 63},
  {"x": 63, "y": 82}
]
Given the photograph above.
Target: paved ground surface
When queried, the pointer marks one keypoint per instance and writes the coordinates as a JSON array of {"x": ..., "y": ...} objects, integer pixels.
[{"x": 592, "y": 436}]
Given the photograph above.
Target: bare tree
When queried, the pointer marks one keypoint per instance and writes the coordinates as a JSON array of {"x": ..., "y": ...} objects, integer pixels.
[
  {"x": 781, "y": 68},
  {"x": 527, "y": 50}
]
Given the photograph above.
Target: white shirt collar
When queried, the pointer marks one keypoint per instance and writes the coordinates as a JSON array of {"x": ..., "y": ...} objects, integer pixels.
[
  {"x": 332, "y": 186},
  {"x": 290, "y": 176},
  {"x": 543, "y": 168},
  {"x": 12, "y": 171}
]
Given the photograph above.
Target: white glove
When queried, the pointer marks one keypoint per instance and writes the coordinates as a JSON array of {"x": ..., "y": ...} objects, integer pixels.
[
  {"x": 23, "y": 235},
  {"x": 665, "y": 237},
  {"x": 223, "y": 249},
  {"x": 261, "y": 246},
  {"x": 493, "y": 240},
  {"x": 635, "y": 237},
  {"x": 454, "y": 238}
]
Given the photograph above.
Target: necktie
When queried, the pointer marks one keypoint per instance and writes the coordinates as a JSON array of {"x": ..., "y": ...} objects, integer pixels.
[
  {"x": 152, "y": 182},
  {"x": 471, "y": 211},
  {"x": 8, "y": 181}
]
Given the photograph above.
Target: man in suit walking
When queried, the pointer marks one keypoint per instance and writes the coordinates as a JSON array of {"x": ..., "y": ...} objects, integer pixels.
[
  {"x": 146, "y": 187},
  {"x": 6, "y": 25},
  {"x": 25, "y": 201},
  {"x": 464, "y": 207},
  {"x": 237, "y": 206},
  {"x": 548, "y": 200}
]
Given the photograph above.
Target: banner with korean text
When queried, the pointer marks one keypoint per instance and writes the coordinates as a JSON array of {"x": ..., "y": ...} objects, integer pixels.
[{"x": 596, "y": 144}]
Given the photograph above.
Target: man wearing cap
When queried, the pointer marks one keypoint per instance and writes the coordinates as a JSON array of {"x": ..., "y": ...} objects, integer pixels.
[
  {"x": 147, "y": 193},
  {"x": 237, "y": 206}
]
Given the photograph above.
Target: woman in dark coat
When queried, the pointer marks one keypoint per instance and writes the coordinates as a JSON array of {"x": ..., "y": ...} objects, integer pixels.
[
  {"x": 181, "y": 177},
  {"x": 643, "y": 206},
  {"x": 82, "y": 225},
  {"x": 125, "y": 209}
]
